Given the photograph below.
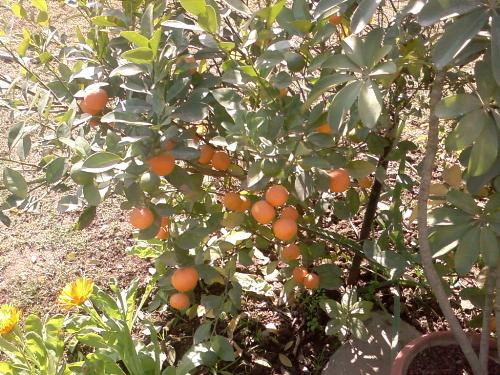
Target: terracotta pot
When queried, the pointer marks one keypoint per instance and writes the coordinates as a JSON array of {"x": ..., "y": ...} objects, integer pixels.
[{"x": 409, "y": 352}]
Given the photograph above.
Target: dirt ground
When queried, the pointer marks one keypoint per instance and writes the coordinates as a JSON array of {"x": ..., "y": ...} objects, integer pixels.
[{"x": 40, "y": 251}]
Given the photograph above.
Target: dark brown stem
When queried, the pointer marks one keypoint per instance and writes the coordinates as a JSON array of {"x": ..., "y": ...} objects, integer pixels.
[{"x": 423, "y": 231}]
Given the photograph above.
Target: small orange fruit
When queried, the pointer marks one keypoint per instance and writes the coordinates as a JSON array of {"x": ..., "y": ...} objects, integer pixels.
[
  {"x": 283, "y": 92},
  {"x": 324, "y": 129},
  {"x": 311, "y": 281},
  {"x": 365, "y": 182},
  {"x": 263, "y": 212},
  {"x": 289, "y": 212},
  {"x": 185, "y": 279},
  {"x": 291, "y": 252},
  {"x": 94, "y": 101},
  {"x": 339, "y": 180},
  {"x": 335, "y": 20},
  {"x": 231, "y": 201},
  {"x": 299, "y": 273},
  {"x": 285, "y": 229},
  {"x": 179, "y": 301},
  {"x": 170, "y": 145},
  {"x": 163, "y": 232},
  {"x": 162, "y": 164},
  {"x": 141, "y": 218},
  {"x": 221, "y": 160},
  {"x": 277, "y": 195},
  {"x": 245, "y": 204},
  {"x": 206, "y": 153}
]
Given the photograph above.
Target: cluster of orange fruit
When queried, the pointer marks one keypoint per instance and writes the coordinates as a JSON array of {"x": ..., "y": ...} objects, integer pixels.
[
  {"x": 183, "y": 280},
  {"x": 264, "y": 211}
]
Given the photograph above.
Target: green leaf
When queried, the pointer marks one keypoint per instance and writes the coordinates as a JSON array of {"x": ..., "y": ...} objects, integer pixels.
[
  {"x": 135, "y": 38},
  {"x": 271, "y": 12},
  {"x": 484, "y": 151},
  {"x": 55, "y": 170},
  {"x": 40, "y": 5},
  {"x": 195, "y": 7},
  {"x": 467, "y": 251},
  {"x": 435, "y": 11},
  {"x": 24, "y": 44},
  {"x": 456, "y": 106},
  {"x": 223, "y": 348},
  {"x": 363, "y": 13},
  {"x": 202, "y": 333},
  {"x": 37, "y": 349},
  {"x": 108, "y": 21},
  {"x": 467, "y": 130},
  {"x": 101, "y": 162},
  {"x": 329, "y": 275},
  {"x": 495, "y": 46},
  {"x": 127, "y": 70},
  {"x": 92, "y": 194},
  {"x": 15, "y": 183},
  {"x": 457, "y": 36},
  {"x": 360, "y": 168},
  {"x": 323, "y": 85},
  {"x": 489, "y": 245},
  {"x": 326, "y": 7},
  {"x": 208, "y": 20},
  {"x": 463, "y": 201},
  {"x": 444, "y": 238},
  {"x": 142, "y": 55},
  {"x": 86, "y": 218},
  {"x": 341, "y": 103},
  {"x": 239, "y": 6},
  {"x": 369, "y": 104}
]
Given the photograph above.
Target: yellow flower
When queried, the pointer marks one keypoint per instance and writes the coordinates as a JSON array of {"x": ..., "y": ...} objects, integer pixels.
[
  {"x": 76, "y": 292},
  {"x": 9, "y": 316}
]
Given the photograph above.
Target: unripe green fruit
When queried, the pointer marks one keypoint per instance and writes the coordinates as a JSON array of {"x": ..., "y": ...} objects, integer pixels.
[
  {"x": 295, "y": 62},
  {"x": 150, "y": 182}
]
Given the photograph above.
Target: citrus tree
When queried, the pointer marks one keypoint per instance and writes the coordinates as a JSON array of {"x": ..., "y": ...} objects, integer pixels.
[{"x": 234, "y": 131}]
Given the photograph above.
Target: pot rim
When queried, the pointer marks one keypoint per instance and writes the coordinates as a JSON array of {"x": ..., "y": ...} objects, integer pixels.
[{"x": 442, "y": 338}]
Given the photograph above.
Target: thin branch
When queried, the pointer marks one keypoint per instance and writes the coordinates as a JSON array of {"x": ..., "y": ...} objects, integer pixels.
[
  {"x": 423, "y": 230},
  {"x": 21, "y": 163},
  {"x": 488, "y": 307}
]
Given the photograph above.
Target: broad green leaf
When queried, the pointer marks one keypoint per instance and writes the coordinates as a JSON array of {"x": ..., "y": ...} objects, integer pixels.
[
  {"x": 387, "y": 67},
  {"x": 369, "y": 103},
  {"x": 489, "y": 245},
  {"x": 40, "y": 5},
  {"x": 484, "y": 151},
  {"x": 239, "y": 6},
  {"x": 223, "y": 348},
  {"x": 19, "y": 11},
  {"x": 495, "y": 47},
  {"x": 467, "y": 251},
  {"x": 467, "y": 130},
  {"x": 127, "y": 70},
  {"x": 456, "y": 105},
  {"x": 353, "y": 46},
  {"x": 463, "y": 201},
  {"x": 36, "y": 348},
  {"x": 101, "y": 162},
  {"x": 202, "y": 333},
  {"x": 135, "y": 38},
  {"x": 55, "y": 170},
  {"x": 147, "y": 26},
  {"x": 363, "y": 13},
  {"x": 341, "y": 103},
  {"x": 15, "y": 183},
  {"x": 25, "y": 43},
  {"x": 341, "y": 62},
  {"x": 195, "y": 7},
  {"x": 92, "y": 194},
  {"x": 444, "y": 238},
  {"x": 329, "y": 275},
  {"x": 457, "y": 36},
  {"x": 323, "y": 85},
  {"x": 326, "y": 7},
  {"x": 435, "y": 11},
  {"x": 208, "y": 20},
  {"x": 360, "y": 168},
  {"x": 142, "y": 55},
  {"x": 198, "y": 355},
  {"x": 108, "y": 21},
  {"x": 86, "y": 218},
  {"x": 33, "y": 324}
]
